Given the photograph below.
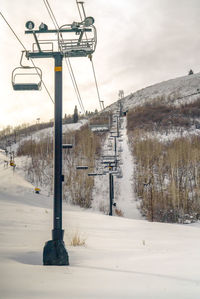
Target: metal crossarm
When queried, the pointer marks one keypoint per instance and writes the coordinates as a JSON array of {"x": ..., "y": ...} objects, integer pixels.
[
  {"x": 75, "y": 46},
  {"x": 81, "y": 167},
  {"x": 76, "y": 30}
]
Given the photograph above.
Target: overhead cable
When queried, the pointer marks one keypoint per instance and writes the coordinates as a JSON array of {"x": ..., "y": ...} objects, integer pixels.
[
  {"x": 46, "y": 3},
  {"x": 100, "y": 102},
  {"x": 67, "y": 60},
  {"x": 13, "y": 31},
  {"x": 90, "y": 57}
]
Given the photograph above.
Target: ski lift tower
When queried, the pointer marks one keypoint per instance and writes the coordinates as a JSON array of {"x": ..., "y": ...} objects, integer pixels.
[{"x": 55, "y": 252}]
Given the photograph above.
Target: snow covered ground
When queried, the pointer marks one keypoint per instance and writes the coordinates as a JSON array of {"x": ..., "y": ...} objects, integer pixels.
[
  {"x": 125, "y": 197},
  {"x": 122, "y": 258}
]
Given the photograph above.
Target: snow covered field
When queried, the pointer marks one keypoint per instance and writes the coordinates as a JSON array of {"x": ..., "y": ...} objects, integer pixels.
[{"x": 122, "y": 258}]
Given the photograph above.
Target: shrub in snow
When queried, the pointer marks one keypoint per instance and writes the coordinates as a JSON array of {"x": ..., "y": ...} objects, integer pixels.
[
  {"x": 77, "y": 187},
  {"x": 167, "y": 175}
]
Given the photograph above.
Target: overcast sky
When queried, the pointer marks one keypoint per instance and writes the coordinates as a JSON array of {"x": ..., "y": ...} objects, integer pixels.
[{"x": 140, "y": 42}]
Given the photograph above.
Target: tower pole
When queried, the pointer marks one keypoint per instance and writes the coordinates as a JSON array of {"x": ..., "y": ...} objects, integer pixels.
[
  {"x": 55, "y": 252},
  {"x": 110, "y": 193},
  {"x": 57, "y": 233}
]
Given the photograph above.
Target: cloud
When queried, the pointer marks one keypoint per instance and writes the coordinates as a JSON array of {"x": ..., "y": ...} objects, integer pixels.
[{"x": 139, "y": 43}]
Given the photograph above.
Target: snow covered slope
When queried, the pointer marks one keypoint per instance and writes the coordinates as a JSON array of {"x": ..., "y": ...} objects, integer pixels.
[
  {"x": 122, "y": 258},
  {"x": 182, "y": 89},
  {"x": 48, "y": 133},
  {"x": 10, "y": 180}
]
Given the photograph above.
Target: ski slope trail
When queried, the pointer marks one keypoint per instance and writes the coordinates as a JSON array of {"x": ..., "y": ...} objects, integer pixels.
[
  {"x": 123, "y": 186},
  {"x": 125, "y": 197}
]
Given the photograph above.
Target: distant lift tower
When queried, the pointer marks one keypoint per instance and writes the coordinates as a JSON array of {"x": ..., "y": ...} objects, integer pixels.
[{"x": 55, "y": 252}]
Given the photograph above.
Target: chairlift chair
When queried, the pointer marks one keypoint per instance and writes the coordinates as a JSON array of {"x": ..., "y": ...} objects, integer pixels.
[
  {"x": 79, "y": 46},
  {"x": 31, "y": 73},
  {"x": 120, "y": 174},
  {"x": 12, "y": 163},
  {"x": 120, "y": 150},
  {"x": 26, "y": 77}
]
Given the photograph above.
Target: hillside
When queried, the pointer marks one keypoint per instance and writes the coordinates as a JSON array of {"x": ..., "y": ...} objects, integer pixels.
[
  {"x": 164, "y": 136},
  {"x": 176, "y": 91},
  {"x": 158, "y": 115}
]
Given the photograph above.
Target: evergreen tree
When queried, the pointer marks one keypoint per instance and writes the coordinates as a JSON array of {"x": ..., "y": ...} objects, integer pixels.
[
  {"x": 75, "y": 115},
  {"x": 191, "y": 72}
]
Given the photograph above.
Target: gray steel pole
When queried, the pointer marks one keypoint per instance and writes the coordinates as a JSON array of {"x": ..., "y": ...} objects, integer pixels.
[
  {"x": 112, "y": 189},
  {"x": 115, "y": 137},
  {"x": 111, "y": 193},
  {"x": 54, "y": 252},
  {"x": 117, "y": 126},
  {"x": 57, "y": 233}
]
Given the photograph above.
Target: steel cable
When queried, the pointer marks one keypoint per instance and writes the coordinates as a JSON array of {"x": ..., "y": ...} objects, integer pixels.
[{"x": 67, "y": 60}]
